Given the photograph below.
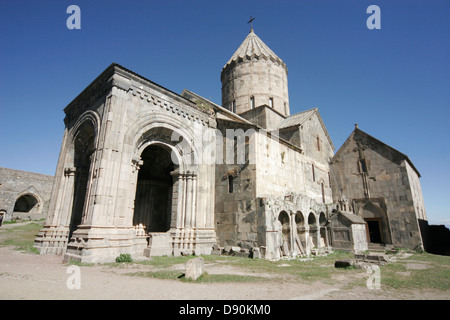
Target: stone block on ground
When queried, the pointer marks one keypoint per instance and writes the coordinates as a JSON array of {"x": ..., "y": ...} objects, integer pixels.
[
  {"x": 256, "y": 253},
  {"x": 194, "y": 268},
  {"x": 344, "y": 263}
]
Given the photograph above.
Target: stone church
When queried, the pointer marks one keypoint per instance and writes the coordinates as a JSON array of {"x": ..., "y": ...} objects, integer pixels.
[{"x": 146, "y": 171}]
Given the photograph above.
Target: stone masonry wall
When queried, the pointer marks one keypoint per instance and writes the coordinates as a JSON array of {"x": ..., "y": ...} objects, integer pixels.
[
  {"x": 15, "y": 183},
  {"x": 261, "y": 79},
  {"x": 387, "y": 183}
]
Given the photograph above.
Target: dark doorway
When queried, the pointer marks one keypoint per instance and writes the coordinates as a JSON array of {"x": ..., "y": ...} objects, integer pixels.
[
  {"x": 25, "y": 203},
  {"x": 154, "y": 190},
  {"x": 83, "y": 150},
  {"x": 374, "y": 231}
]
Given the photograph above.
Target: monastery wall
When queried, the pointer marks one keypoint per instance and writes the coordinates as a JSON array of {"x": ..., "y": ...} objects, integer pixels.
[{"x": 17, "y": 183}]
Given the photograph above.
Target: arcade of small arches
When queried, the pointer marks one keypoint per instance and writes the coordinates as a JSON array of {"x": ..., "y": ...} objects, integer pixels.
[{"x": 301, "y": 235}]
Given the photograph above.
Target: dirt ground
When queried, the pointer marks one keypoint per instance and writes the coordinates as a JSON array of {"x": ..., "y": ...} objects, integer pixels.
[{"x": 32, "y": 276}]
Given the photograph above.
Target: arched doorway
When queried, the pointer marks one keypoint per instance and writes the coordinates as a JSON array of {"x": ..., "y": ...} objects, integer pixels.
[
  {"x": 313, "y": 231},
  {"x": 301, "y": 232},
  {"x": 154, "y": 187},
  {"x": 25, "y": 203},
  {"x": 377, "y": 224},
  {"x": 83, "y": 149},
  {"x": 283, "y": 218},
  {"x": 323, "y": 230}
]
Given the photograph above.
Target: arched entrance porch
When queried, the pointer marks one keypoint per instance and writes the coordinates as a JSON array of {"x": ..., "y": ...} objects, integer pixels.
[{"x": 154, "y": 190}]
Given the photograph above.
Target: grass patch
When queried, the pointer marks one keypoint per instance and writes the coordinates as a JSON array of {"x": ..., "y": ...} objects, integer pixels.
[
  {"x": 394, "y": 275},
  {"x": 435, "y": 276},
  {"x": 319, "y": 268},
  {"x": 160, "y": 274},
  {"x": 166, "y": 261},
  {"x": 21, "y": 237},
  {"x": 204, "y": 278}
]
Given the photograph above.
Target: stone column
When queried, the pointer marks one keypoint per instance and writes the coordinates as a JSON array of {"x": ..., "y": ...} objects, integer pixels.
[
  {"x": 91, "y": 185},
  {"x": 184, "y": 206},
  {"x": 188, "y": 211},
  {"x": 193, "y": 224},
  {"x": 136, "y": 164},
  {"x": 178, "y": 211},
  {"x": 66, "y": 205},
  {"x": 53, "y": 238},
  {"x": 293, "y": 234}
]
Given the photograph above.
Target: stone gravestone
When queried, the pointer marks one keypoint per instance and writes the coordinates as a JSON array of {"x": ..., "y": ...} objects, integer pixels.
[{"x": 194, "y": 268}]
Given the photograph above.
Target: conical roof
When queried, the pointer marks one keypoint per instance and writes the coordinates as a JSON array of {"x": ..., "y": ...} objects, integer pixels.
[{"x": 254, "y": 46}]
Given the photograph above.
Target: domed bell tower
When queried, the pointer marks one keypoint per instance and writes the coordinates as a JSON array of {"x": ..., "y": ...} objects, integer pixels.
[{"x": 253, "y": 77}]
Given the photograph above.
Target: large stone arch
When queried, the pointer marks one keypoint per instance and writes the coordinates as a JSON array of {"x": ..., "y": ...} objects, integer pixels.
[
  {"x": 154, "y": 188},
  {"x": 83, "y": 148},
  {"x": 28, "y": 203},
  {"x": 71, "y": 187},
  {"x": 76, "y": 171},
  {"x": 170, "y": 131},
  {"x": 187, "y": 220}
]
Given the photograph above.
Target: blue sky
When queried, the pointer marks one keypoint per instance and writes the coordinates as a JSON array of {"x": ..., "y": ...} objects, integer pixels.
[{"x": 394, "y": 82}]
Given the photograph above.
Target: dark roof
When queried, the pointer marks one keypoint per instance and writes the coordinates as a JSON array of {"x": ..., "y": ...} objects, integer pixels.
[
  {"x": 299, "y": 118},
  {"x": 353, "y": 218}
]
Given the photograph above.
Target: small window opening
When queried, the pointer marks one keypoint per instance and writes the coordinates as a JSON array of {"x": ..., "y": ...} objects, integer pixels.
[
  {"x": 318, "y": 144},
  {"x": 323, "y": 193},
  {"x": 230, "y": 184},
  {"x": 252, "y": 102},
  {"x": 233, "y": 106},
  {"x": 313, "y": 173},
  {"x": 363, "y": 165},
  {"x": 271, "y": 102}
]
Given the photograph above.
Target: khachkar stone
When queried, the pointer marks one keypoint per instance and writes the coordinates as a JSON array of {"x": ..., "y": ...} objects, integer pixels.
[{"x": 255, "y": 76}]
